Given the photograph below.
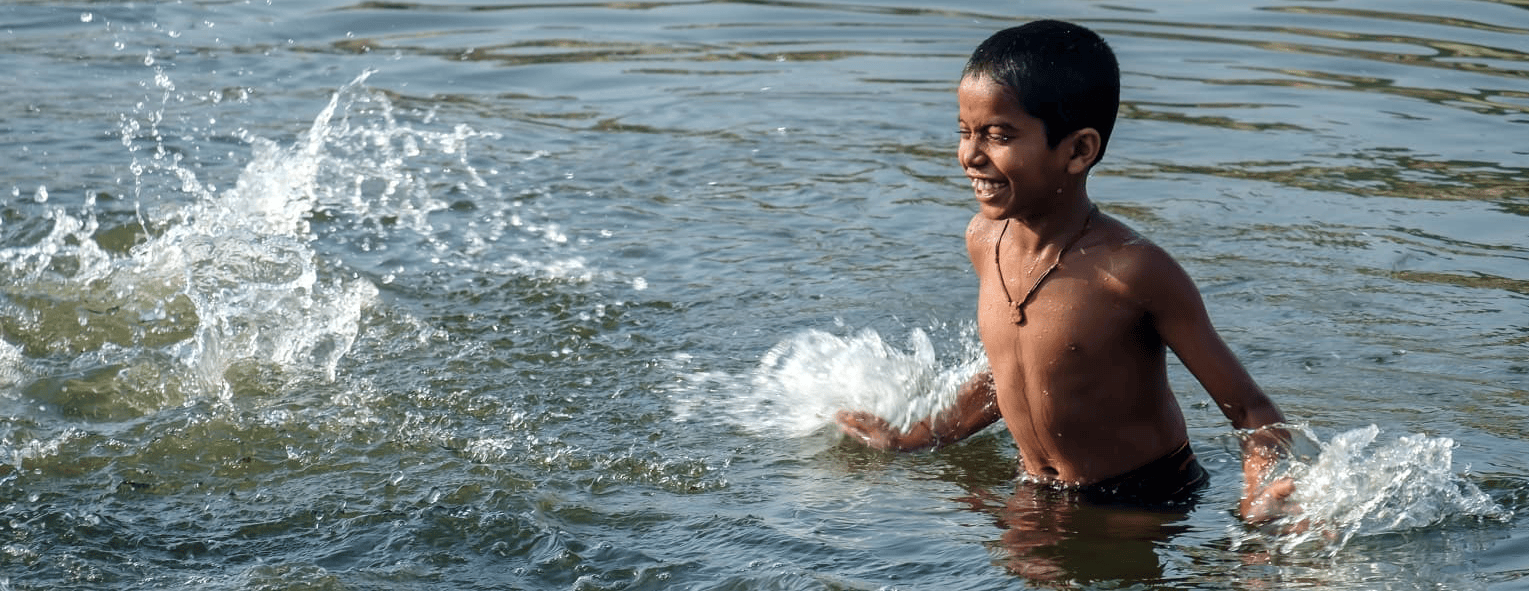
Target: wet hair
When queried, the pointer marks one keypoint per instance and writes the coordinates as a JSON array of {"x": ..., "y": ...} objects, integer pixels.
[{"x": 1061, "y": 73}]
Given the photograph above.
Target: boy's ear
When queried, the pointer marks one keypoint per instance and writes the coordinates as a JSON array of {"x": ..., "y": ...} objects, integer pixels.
[{"x": 1083, "y": 148}]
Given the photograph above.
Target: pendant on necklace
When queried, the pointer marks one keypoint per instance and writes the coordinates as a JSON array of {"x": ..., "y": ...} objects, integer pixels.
[
  {"x": 1016, "y": 313},
  {"x": 1016, "y": 309}
]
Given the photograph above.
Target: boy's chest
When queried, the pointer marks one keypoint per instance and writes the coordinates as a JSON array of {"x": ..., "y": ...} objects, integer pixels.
[{"x": 1068, "y": 317}]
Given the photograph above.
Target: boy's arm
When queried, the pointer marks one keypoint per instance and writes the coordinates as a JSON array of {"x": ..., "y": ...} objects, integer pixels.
[
  {"x": 976, "y": 404},
  {"x": 976, "y": 407},
  {"x": 1179, "y": 315}
]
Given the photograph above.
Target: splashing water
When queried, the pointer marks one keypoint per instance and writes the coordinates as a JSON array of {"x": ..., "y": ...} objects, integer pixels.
[
  {"x": 11, "y": 363},
  {"x": 248, "y": 269},
  {"x": 802, "y": 381},
  {"x": 1352, "y": 487},
  {"x": 226, "y": 280},
  {"x": 1348, "y": 487}
]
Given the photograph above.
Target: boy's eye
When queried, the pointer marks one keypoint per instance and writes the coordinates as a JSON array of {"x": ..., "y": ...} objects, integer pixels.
[{"x": 992, "y": 136}]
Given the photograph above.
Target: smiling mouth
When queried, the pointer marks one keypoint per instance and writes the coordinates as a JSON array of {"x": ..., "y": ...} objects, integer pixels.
[{"x": 986, "y": 187}]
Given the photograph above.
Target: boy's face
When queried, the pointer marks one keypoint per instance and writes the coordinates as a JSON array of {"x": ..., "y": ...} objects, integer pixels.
[{"x": 1003, "y": 150}]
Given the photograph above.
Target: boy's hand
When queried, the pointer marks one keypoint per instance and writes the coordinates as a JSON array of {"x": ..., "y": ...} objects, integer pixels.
[
  {"x": 1270, "y": 503},
  {"x": 869, "y": 428}
]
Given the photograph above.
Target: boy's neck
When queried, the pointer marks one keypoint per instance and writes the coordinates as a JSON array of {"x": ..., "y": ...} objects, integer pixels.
[{"x": 1038, "y": 232}]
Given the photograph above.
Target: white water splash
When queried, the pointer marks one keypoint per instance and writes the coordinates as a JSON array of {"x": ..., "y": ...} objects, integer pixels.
[
  {"x": 1352, "y": 486},
  {"x": 12, "y": 367},
  {"x": 67, "y": 250},
  {"x": 230, "y": 278},
  {"x": 244, "y": 260},
  {"x": 801, "y": 382}
]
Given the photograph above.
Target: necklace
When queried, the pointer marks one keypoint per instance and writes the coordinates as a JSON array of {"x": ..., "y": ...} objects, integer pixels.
[{"x": 1017, "y": 309}]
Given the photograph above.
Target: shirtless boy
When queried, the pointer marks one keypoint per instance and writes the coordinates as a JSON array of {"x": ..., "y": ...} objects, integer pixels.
[{"x": 1075, "y": 310}]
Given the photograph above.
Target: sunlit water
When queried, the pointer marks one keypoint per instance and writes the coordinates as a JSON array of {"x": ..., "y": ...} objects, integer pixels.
[{"x": 537, "y": 296}]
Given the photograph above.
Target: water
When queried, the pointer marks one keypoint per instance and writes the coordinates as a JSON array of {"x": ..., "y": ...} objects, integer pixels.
[{"x": 337, "y": 295}]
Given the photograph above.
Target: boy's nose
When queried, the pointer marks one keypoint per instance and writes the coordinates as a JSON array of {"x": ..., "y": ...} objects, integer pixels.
[{"x": 969, "y": 155}]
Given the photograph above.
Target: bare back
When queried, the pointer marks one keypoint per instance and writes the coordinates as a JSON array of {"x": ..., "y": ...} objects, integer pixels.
[{"x": 1081, "y": 383}]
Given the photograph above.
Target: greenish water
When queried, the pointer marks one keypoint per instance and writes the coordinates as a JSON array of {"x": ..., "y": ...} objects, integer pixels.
[{"x": 434, "y": 295}]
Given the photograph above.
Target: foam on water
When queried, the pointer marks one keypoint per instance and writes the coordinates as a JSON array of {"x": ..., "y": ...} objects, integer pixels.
[{"x": 1351, "y": 486}]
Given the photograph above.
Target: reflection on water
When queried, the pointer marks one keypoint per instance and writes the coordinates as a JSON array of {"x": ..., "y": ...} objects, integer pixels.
[
  {"x": 562, "y": 295},
  {"x": 1054, "y": 539}
]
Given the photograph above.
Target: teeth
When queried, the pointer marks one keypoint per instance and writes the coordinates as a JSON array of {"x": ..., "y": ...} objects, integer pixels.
[{"x": 986, "y": 185}]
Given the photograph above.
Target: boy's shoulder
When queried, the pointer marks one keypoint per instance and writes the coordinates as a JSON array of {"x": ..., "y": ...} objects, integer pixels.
[
  {"x": 1115, "y": 232},
  {"x": 980, "y": 223},
  {"x": 1122, "y": 246},
  {"x": 1133, "y": 264},
  {"x": 981, "y": 233}
]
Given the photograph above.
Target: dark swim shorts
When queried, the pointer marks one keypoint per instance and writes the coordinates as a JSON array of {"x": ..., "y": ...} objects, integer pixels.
[{"x": 1174, "y": 479}]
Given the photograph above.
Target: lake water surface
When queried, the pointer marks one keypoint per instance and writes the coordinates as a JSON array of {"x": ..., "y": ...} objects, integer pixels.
[{"x": 561, "y": 295}]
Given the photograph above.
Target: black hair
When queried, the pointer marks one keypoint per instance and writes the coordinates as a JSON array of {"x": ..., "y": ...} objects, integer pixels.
[{"x": 1061, "y": 73}]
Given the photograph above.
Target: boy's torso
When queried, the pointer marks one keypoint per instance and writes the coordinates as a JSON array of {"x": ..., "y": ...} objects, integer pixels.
[{"x": 1082, "y": 382}]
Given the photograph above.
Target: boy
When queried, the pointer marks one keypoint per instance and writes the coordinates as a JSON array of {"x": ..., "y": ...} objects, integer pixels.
[{"x": 1075, "y": 310}]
